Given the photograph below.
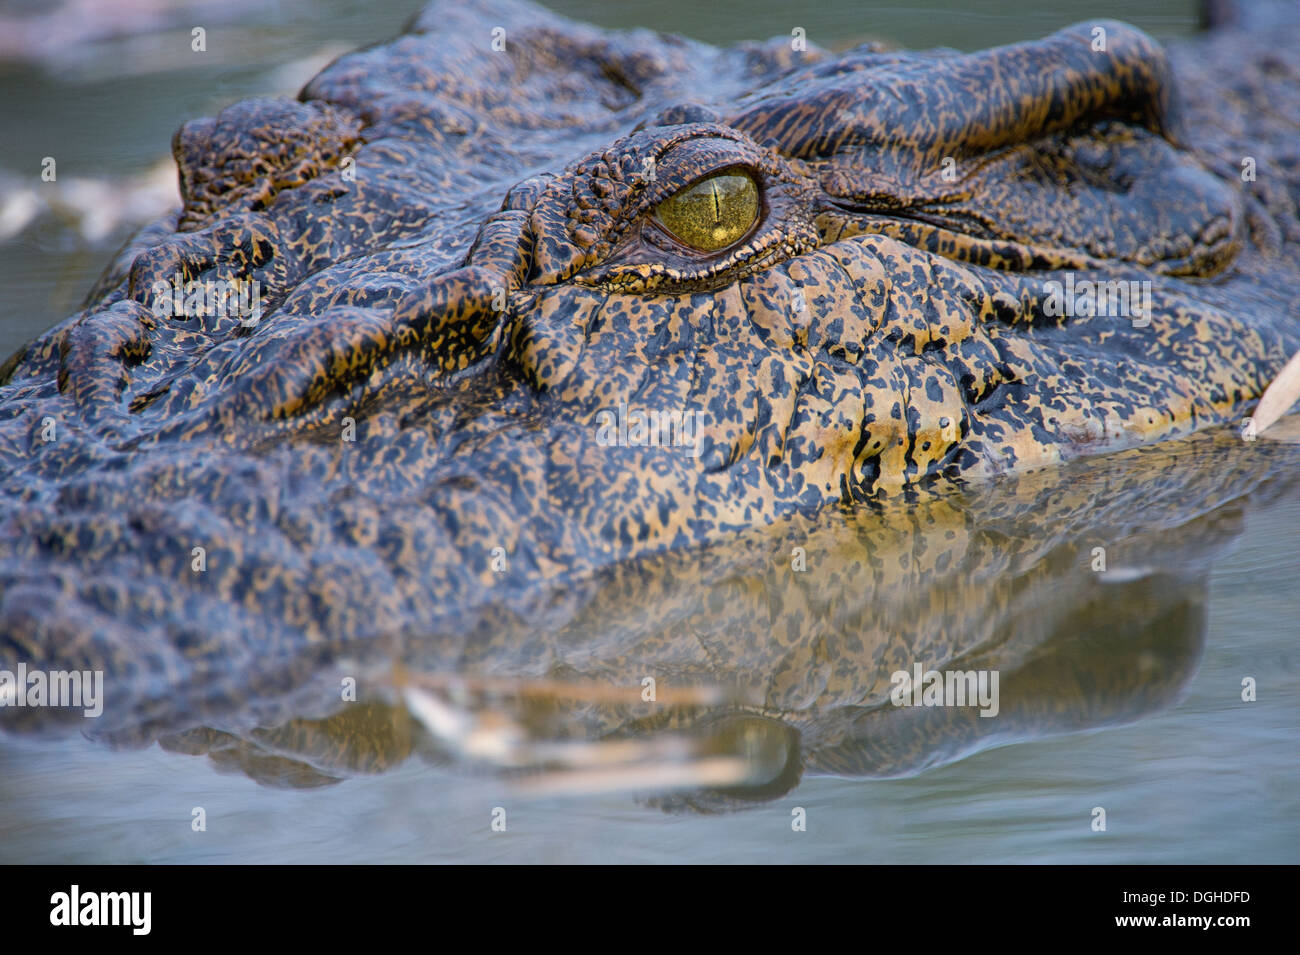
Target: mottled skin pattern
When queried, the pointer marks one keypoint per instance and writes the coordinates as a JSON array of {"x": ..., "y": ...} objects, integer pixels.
[
  {"x": 442, "y": 329},
  {"x": 1000, "y": 577}
]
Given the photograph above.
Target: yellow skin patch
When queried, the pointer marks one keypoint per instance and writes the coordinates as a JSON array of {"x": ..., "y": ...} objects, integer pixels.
[{"x": 712, "y": 214}]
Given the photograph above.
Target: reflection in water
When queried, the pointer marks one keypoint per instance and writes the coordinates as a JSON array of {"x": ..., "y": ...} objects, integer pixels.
[{"x": 1082, "y": 588}]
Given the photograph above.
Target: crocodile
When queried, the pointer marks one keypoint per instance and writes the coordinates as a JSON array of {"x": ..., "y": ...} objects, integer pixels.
[
  {"x": 1083, "y": 588},
  {"x": 534, "y": 303}
]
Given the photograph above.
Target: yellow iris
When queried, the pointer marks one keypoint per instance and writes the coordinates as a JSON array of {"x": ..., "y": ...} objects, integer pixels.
[{"x": 712, "y": 214}]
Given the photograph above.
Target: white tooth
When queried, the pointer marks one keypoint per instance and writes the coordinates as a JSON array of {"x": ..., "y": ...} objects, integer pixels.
[{"x": 1279, "y": 396}]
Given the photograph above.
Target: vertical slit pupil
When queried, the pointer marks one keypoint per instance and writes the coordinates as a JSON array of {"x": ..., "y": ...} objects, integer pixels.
[{"x": 712, "y": 214}]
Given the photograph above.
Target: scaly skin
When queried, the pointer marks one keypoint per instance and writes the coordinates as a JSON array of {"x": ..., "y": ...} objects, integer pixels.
[
  {"x": 1000, "y": 578},
  {"x": 443, "y": 331}
]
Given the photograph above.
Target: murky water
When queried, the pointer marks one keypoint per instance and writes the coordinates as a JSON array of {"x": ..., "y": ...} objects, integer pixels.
[{"x": 1120, "y": 689}]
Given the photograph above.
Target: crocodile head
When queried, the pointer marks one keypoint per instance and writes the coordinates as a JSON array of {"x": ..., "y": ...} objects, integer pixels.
[{"x": 528, "y": 299}]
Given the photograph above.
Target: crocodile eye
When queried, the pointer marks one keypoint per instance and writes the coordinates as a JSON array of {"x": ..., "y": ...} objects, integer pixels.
[{"x": 712, "y": 214}]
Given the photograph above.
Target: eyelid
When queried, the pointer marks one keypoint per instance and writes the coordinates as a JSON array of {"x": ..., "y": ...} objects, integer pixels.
[{"x": 660, "y": 193}]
